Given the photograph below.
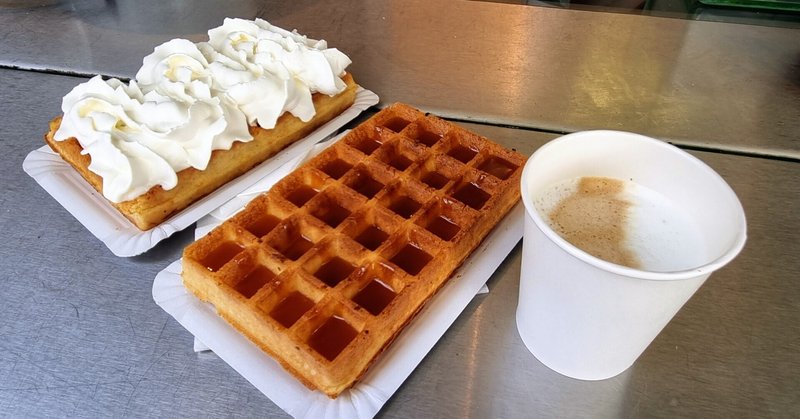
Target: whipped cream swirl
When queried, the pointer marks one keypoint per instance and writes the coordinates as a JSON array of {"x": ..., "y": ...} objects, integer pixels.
[
  {"x": 190, "y": 99},
  {"x": 267, "y": 70}
]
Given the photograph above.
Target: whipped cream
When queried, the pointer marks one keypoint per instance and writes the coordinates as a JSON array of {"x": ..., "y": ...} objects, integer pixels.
[
  {"x": 189, "y": 99},
  {"x": 267, "y": 70}
]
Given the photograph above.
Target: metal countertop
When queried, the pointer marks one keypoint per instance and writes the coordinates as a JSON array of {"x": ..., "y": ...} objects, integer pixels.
[
  {"x": 80, "y": 335},
  {"x": 705, "y": 84}
]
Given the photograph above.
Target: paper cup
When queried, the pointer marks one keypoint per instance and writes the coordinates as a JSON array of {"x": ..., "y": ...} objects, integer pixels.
[{"x": 590, "y": 319}]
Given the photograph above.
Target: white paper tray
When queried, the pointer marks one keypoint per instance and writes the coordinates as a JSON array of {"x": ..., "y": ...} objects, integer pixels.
[
  {"x": 367, "y": 397},
  {"x": 124, "y": 239}
]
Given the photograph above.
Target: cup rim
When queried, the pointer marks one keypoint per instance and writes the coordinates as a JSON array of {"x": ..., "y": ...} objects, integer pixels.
[{"x": 573, "y": 250}]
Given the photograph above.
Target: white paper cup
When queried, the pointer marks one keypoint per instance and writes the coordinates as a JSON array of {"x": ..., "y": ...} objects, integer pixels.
[{"x": 590, "y": 319}]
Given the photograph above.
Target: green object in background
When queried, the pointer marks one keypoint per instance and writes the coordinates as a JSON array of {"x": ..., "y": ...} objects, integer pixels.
[{"x": 786, "y": 5}]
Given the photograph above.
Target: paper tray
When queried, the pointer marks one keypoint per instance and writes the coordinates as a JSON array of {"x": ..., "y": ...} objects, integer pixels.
[
  {"x": 367, "y": 397},
  {"x": 124, "y": 239}
]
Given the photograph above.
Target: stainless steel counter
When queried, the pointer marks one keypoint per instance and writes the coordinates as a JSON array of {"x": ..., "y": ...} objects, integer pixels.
[
  {"x": 80, "y": 335},
  {"x": 708, "y": 84}
]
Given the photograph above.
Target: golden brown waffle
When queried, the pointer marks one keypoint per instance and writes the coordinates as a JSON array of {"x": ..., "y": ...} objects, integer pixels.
[
  {"x": 325, "y": 269},
  {"x": 156, "y": 205}
]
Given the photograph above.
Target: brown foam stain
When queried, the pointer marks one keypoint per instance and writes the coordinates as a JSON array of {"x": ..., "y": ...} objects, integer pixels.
[{"x": 593, "y": 218}]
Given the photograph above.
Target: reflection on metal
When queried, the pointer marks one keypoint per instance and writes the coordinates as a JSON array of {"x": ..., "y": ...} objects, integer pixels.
[
  {"x": 778, "y": 13},
  {"x": 720, "y": 86}
]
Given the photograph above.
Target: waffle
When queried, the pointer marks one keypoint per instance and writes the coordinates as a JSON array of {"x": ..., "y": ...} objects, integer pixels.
[
  {"x": 156, "y": 205},
  {"x": 325, "y": 269}
]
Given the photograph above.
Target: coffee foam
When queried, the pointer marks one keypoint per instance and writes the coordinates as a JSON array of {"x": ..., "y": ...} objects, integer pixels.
[{"x": 622, "y": 222}]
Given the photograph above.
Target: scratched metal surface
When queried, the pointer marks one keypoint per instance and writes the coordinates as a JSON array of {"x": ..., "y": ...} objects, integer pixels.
[
  {"x": 707, "y": 84},
  {"x": 80, "y": 335}
]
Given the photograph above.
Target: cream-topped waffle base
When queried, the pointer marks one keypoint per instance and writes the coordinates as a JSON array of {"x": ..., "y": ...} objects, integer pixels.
[{"x": 324, "y": 270}]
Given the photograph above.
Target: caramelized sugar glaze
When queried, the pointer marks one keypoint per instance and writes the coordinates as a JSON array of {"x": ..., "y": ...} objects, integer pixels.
[{"x": 325, "y": 269}]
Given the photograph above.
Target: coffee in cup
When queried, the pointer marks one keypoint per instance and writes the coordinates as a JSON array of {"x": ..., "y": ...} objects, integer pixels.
[
  {"x": 622, "y": 222},
  {"x": 664, "y": 211}
]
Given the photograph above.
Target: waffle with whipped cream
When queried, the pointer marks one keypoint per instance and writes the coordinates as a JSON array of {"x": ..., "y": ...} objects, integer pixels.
[
  {"x": 199, "y": 115},
  {"x": 325, "y": 270}
]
